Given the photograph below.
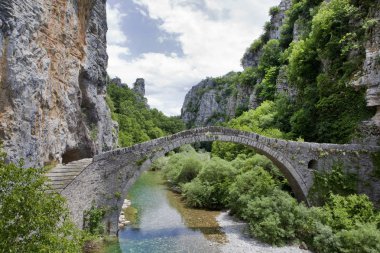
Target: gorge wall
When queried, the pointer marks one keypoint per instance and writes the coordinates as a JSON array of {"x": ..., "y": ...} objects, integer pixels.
[
  {"x": 52, "y": 80},
  {"x": 215, "y": 100},
  {"x": 220, "y": 99}
]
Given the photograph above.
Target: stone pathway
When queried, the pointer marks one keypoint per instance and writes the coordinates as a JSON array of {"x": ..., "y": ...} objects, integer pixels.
[{"x": 63, "y": 174}]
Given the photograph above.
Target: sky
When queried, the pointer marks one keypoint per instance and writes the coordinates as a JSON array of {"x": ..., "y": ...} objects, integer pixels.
[{"x": 174, "y": 44}]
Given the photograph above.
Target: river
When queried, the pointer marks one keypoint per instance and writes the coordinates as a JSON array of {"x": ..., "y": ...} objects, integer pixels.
[{"x": 161, "y": 223}]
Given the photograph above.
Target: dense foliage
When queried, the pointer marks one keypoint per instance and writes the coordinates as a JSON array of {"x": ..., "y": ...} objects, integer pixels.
[
  {"x": 33, "y": 218},
  {"x": 335, "y": 181},
  {"x": 260, "y": 121},
  {"x": 251, "y": 188},
  {"x": 138, "y": 123},
  {"x": 320, "y": 65}
]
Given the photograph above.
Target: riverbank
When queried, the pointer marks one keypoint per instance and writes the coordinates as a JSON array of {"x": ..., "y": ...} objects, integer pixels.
[{"x": 239, "y": 241}]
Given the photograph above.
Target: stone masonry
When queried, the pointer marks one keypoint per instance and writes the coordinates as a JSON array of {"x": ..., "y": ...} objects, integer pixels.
[{"x": 105, "y": 181}]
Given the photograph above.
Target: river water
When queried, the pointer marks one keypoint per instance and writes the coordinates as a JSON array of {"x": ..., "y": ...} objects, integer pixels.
[
  {"x": 164, "y": 224},
  {"x": 161, "y": 223}
]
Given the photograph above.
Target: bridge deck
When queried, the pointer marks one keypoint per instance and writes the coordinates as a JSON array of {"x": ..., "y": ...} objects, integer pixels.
[{"x": 63, "y": 174}]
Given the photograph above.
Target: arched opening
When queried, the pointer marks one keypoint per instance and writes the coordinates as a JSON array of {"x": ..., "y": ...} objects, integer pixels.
[
  {"x": 294, "y": 178},
  {"x": 75, "y": 154},
  {"x": 312, "y": 165},
  {"x": 120, "y": 168},
  {"x": 160, "y": 149}
]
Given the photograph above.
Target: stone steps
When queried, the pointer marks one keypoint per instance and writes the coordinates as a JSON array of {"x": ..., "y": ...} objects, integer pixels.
[{"x": 63, "y": 174}]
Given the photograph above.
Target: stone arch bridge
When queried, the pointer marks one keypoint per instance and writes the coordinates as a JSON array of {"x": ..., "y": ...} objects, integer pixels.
[{"x": 105, "y": 179}]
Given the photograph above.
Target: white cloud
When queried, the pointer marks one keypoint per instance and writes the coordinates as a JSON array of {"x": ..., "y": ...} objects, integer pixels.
[
  {"x": 211, "y": 46},
  {"x": 115, "y": 35}
]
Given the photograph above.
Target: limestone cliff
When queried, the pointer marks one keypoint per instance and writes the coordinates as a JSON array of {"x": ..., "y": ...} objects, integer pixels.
[
  {"x": 52, "y": 80},
  {"x": 369, "y": 77},
  {"x": 208, "y": 102},
  {"x": 251, "y": 56}
]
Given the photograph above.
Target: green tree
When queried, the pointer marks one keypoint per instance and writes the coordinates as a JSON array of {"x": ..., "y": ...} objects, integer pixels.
[
  {"x": 262, "y": 121},
  {"x": 33, "y": 217},
  {"x": 247, "y": 186},
  {"x": 214, "y": 180},
  {"x": 138, "y": 123}
]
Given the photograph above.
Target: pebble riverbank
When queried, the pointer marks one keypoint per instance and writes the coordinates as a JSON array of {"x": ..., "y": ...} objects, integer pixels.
[
  {"x": 122, "y": 221},
  {"x": 237, "y": 236},
  {"x": 240, "y": 242}
]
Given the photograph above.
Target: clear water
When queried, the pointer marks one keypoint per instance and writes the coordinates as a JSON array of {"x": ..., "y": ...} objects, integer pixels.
[{"x": 164, "y": 224}]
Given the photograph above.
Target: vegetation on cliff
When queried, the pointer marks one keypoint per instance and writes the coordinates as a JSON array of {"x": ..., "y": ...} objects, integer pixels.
[
  {"x": 308, "y": 70},
  {"x": 253, "y": 189},
  {"x": 138, "y": 123}
]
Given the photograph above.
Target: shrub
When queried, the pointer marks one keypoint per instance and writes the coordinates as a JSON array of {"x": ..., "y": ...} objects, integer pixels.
[
  {"x": 260, "y": 121},
  {"x": 32, "y": 218},
  {"x": 253, "y": 183},
  {"x": 93, "y": 220},
  {"x": 214, "y": 180},
  {"x": 159, "y": 163},
  {"x": 197, "y": 194},
  {"x": 325, "y": 240},
  {"x": 274, "y": 218},
  {"x": 335, "y": 181},
  {"x": 274, "y": 10},
  {"x": 256, "y": 46},
  {"x": 345, "y": 213},
  {"x": 190, "y": 169},
  {"x": 364, "y": 239},
  {"x": 184, "y": 166}
]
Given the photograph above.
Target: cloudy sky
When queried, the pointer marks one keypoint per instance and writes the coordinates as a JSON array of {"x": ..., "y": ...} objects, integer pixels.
[{"x": 174, "y": 44}]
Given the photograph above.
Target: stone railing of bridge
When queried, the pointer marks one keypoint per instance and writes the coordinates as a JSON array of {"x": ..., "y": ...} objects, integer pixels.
[{"x": 105, "y": 181}]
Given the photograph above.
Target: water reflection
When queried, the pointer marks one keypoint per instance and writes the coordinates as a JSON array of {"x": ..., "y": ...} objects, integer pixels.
[{"x": 165, "y": 224}]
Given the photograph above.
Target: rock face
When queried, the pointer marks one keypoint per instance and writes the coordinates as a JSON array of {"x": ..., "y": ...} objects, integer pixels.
[
  {"x": 370, "y": 76},
  {"x": 251, "y": 58},
  {"x": 139, "y": 89},
  {"x": 52, "y": 80},
  {"x": 210, "y": 102},
  {"x": 278, "y": 19}
]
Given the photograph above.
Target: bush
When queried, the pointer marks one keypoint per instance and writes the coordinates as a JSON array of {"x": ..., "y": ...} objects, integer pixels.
[
  {"x": 32, "y": 218},
  {"x": 159, "y": 163},
  {"x": 260, "y": 121},
  {"x": 256, "y": 46},
  {"x": 274, "y": 10},
  {"x": 344, "y": 213},
  {"x": 190, "y": 169},
  {"x": 335, "y": 181},
  {"x": 184, "y": 166},
  {"x": 364, "y": 239},
  {"x": 197, "y": 194},
  {"x": 214, "y": 180},
  {"x": 325, "y": 240},
  {"x": 93, "y": 220},
  {"x": 247, "y": 186},
  {"x": 274, "y": 218}
]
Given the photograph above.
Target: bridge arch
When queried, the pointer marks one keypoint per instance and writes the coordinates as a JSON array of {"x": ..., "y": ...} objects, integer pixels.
[
  {"x": 111, "y": 174},
  {"x": 291, "y": 174}
]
